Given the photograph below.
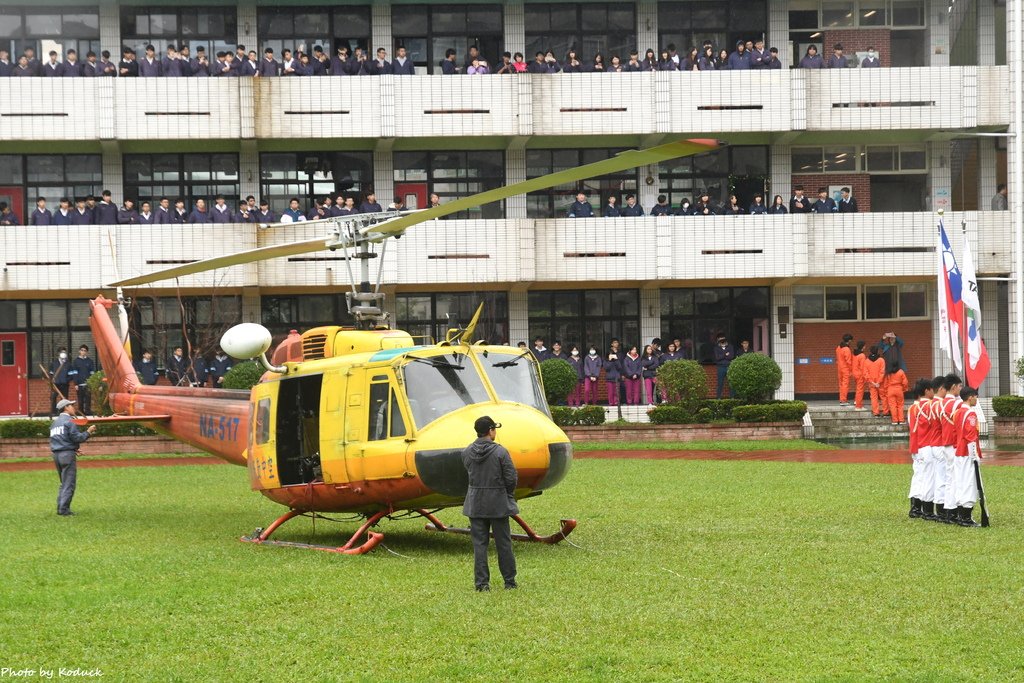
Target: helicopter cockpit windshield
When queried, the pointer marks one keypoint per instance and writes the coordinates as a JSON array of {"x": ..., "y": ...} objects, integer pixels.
[
  {"x": 514, "y": 378},
  {"x": 438, "y": 385}
]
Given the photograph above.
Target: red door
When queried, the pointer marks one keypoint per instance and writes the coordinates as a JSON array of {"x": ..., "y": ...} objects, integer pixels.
[
  {"x": 13, "y": 374},
  {"x": 414, "y": 194},
  {"x": 14, "y": 197}
]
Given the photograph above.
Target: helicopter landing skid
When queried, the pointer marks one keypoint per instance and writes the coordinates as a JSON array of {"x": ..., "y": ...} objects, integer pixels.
[
  {"x": 373, "y": 538},
  {"x": 530, "y": 536}
]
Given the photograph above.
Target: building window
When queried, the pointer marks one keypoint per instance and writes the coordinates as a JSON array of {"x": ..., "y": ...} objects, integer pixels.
[
  {"x": 867, "y": 302},
  {"x": 306, "y": 175},
  {"x": 451, "y": 175},
  {"x": 742, "y": 171},
  {"x": 281, "y": 314},
  {"x": 697, "y": 316},
  {"x": 429, "y": 316},
  {"x": 148, "y": 177},
  {"x": 193, "y": 323},
  {"x": 908, "y": 158},
  {"x": 302, "y": 28},
  {"x": 689, "y": 24},
  {"x": 554, "y": 202},
  {"x": 49, "y": 28},
  {"x": 591, "y": 317},
  {"x": 212, "y": 28},
  {"x": 588, "y": 27},
  {"x": 24, "y": 178},
  {"x": 427, "y": 31}
]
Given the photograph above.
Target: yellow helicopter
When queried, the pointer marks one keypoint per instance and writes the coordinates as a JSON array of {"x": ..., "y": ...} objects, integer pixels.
[{"x": 362, "y": 420}]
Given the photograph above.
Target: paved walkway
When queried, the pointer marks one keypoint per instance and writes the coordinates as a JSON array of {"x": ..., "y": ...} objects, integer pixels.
[{"x": 47, "y": 464}]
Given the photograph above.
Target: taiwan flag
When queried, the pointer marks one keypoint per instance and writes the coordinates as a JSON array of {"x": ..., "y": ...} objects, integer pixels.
[
  {"x": 978, "y": 363},
  {"x": 951, "y": 307}
]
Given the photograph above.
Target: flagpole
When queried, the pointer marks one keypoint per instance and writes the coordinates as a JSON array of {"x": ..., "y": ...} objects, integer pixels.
[{"x": 963, "y": 323}]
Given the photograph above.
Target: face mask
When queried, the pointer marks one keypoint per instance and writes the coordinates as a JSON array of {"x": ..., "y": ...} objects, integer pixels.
[
  {"x": 593, "y": 352},
  {"x": 221, "y": 356},
  {"x": 575, "y": 352},
  {"x": 63, "y": 356}
]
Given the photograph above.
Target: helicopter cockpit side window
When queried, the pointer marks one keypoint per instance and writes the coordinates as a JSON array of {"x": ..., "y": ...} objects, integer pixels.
[
  {"x": 385, "y": 417},
  {"x": 263, "y": 421}
]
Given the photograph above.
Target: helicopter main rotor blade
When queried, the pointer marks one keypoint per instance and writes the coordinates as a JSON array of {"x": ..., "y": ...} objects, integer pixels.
[
  {"x": 621, "y": 162},
  {"x": 242, "y": 257},
  {"x": 396, "y": 226}
]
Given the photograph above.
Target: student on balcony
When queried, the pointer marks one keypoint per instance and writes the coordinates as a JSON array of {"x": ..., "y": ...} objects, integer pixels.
[
  {"x": 778, "y": 207},
  {"x": 632, "y": 209},
  {"x": 811, "y": 59},
  {"x": 581, "y": 207},
  {"x": 871, "y": 61},
  {"x": 838, "y": 59}
]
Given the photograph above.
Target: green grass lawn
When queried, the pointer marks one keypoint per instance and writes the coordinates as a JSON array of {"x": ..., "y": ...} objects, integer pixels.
[
  {"x": 685, "y": 570},
  {"x": 705, "y": 445}
]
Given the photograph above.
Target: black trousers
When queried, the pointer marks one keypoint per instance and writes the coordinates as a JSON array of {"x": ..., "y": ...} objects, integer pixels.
[
  {"x": 84, "y": 399},
  {"x": 55, "y": 397},
  {"x": 480, "y": 530}
]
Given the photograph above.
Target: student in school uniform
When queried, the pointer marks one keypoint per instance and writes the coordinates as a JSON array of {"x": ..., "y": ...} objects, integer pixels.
[
  {"x": 146, "y": 216},
  {"x": 613, "y": 373},
  {"x": 40, "y": 215},
  {"x": 80, "y": 214},
  {"x": 917, "y": 418},
  {"x": 632, "y": 374},
  {"x": 576, "y": 361},
  {"x": 592, "y": 366},
  {"x": 649, "y": 363},
  {"x": 952, "y": 385},
  {"x": 62, "y": 216},
  {"x": 897, "y": 387}
]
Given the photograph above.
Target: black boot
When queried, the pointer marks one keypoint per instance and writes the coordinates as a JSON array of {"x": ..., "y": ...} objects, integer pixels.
[
  {"x": 948, "y": 515},
  {"x": 965, "y": 517},
  {"x": 915, "y": 508},
  {"x": 928, "y": 511}
]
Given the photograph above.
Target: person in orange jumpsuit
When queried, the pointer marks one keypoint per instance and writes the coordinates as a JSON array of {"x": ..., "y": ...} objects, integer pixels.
[
  {"x": 844, "y": 364},
  {"x": 859, "y": 370},
  {"x": 874, "y": 375},
  {"x": 894, "y": 391}
]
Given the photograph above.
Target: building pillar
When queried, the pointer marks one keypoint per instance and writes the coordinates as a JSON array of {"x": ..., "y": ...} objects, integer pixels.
[
  {"x": 650, "y": 315},
  {"x": 940, "y": 176},
  {"x": 987, "y": 33},
  {"x": 247, "y": 27},
  {"x": 518, "y": 317},
  {"x": 1014, "y": 160},
  {"x": 113, "y": 171},
  {"x": 383, "y": 175},
  {"x": 989, "y": 295},
  {"x": 781, "y": 334},
  {"x": 110, "y": 31},
  {"x": 249, "y": 169},
  {"x": 515, "y": 28},
  {"x": 646, "y": 29},
  {"x": 938, "y": 38},
  {"x": 252, "y": 308},
  {"x": 515, "y": 172},
  {"x": 778, "y": 31},
  {"x": 380, "y": 26},
  {"x": 987, "y": 172},
  {"x": 780, "y": 173}
]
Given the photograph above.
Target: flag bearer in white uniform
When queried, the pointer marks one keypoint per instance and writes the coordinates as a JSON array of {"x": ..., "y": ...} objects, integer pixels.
[{"x": 968, "y": 450}]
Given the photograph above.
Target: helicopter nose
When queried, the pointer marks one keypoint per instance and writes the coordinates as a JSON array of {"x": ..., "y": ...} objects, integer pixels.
[{"x": 540, "y": 451}]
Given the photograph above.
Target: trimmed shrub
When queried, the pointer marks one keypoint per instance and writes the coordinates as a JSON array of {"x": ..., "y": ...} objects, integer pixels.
[
  {"x": 25, "y": 429},
  {"x": 1008, "y": 406},
  {"x": 754, "y": 377},
  {"x": 782, "y": 411},
  {"x": 559, "y": 379},
  {"x": 684, "y": 381},
  {"x": 670, "y": 414},
  {"x": 590, "y": 415},
  {"x": 720, "y": 408},
  {"x": 704, "y": 415},
  {"x": 243, "y": 376},
  {"x": 563, "y": 416},
  {"x": 123, "y": 429}
]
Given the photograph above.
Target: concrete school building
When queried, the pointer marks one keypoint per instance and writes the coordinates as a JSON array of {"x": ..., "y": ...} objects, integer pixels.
[{"x": 935, "y": 127}]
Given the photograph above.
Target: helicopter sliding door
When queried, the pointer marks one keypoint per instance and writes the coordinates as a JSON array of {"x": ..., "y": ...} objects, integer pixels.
[
  {"x": 298, "y": 430},
  {"x": 380, "y": 450}
]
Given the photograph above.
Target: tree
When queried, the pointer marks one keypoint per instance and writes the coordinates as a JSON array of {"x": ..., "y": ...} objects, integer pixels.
[{"x": 684, "y": 381}]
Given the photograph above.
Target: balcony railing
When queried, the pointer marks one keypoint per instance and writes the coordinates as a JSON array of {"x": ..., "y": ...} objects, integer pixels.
[
  {"x": 520, "y": 252},
  {"x": 371, "y": 107}
]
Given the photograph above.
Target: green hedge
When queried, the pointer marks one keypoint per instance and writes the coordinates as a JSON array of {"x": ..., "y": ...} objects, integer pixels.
[
  {"x": 559, "y": 378},
  {"x": 570, "y": 417},
  {"x": 782, "y": 411},
  {"x": 754, "y": 377},
  {"x": 40, "y": 429},
  {"x": 707, "y": 410},
  {"x": 1008, "y": 406}
]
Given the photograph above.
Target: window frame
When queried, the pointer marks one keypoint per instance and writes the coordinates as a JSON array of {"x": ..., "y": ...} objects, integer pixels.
[
  {"x": 212, "y": 39},
  {"x": 430, "y": 35},
  {"x": 898, "y": 291},
  {"x": 185, "y": 182}
]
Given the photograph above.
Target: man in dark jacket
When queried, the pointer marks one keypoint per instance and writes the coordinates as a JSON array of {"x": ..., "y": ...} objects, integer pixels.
[
  {"x": 146, "y": 368},
  {"x": 80, "y": 372},
  {"x": 724, "y": 355},
  {"x": 65, "y": 438},
  {"x": 178, "y": 368},
  {"x": 490, "y": 502},
  {"x": 581, "y": 207},
  {"x": 59, "y": 368}
]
